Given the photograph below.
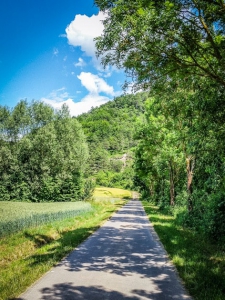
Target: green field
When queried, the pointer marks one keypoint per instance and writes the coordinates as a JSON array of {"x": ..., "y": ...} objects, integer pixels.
[{"x": 15, "y": 216}]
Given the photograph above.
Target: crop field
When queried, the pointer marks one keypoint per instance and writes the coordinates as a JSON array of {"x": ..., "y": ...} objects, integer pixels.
[{"x": 15, "y": 216}]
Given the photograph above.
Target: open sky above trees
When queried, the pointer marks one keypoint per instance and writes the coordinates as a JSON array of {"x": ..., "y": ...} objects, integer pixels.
[{"x": 47, "y": 53}]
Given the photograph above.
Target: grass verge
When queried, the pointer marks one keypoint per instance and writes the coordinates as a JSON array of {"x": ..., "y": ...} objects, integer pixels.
[
  {"x": 200, "y": 264},
  {"x": 27, "y": 255}
]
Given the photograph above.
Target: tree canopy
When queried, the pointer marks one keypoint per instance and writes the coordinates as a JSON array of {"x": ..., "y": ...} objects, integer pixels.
[{"x": 164, "y": 40}]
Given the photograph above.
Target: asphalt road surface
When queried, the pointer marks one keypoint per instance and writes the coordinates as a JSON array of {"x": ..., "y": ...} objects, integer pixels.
[{"x": 122, "y": 260}]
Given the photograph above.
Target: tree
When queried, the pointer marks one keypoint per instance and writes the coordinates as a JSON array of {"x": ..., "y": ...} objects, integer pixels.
[
  {"x": 159, "y": 155},
  {"x": 169, "y": 46},
  {"x": 53, "y": 160}
]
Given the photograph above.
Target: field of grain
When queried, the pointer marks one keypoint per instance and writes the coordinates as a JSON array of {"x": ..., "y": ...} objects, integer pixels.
[{"x": 15, "y": 216}]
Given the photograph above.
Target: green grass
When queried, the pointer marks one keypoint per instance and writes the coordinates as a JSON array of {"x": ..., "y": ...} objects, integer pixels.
[
  {"x": 15, "y": 216},
  {"x": 200, "y": 263},
  {"x": 25, "y": 256}
]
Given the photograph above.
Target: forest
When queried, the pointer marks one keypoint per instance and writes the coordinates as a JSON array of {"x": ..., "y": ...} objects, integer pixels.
[
  {"x": 110, "y": 131},
  {"x": 48, "y": 156}
]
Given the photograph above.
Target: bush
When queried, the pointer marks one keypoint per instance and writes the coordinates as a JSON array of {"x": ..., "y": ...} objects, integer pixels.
[{"x": 89, "y": 187}]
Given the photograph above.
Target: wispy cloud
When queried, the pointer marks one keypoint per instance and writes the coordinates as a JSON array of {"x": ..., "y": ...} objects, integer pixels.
[
  {"x": 81, "y": 63},
  {"x": 55, "y": 51}
]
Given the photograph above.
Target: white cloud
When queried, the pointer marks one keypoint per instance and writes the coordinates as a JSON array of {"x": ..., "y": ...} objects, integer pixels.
[
  {"x": 81, "y": 63},
  {"x": 77, "y": 108},
  {"x": 107, "y": 74},
  {"x": 86, "y": 104},
  {"x": 94, "y": 84},
  {"x": 82, "y": 31}
]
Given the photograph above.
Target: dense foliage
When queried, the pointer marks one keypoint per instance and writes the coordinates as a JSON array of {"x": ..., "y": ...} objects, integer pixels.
[
  {"x": 110, "y": 133},
  {"x": 177, "y": 49},
  {"x": 43, "y": 154}
]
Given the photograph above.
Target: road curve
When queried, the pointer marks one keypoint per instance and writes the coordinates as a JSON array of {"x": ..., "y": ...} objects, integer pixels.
[{"x": 122, "y": 260}]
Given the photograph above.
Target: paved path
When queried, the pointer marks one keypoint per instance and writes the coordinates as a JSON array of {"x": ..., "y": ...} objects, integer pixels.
[{"x": 122, "y": 260}]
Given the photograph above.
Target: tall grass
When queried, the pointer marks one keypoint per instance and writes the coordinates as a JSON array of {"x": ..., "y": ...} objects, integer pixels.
[{"x": 33, "y": 220}]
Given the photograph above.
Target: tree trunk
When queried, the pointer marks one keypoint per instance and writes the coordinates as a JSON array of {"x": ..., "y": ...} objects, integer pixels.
[
  {"x": 172, "y": 184},
  {"x": 190, "y": 162},
  {"x": 151, "y": 189}
]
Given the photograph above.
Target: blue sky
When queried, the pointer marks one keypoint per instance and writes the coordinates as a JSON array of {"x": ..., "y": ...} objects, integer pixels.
[{"x": 47, "y": 53}]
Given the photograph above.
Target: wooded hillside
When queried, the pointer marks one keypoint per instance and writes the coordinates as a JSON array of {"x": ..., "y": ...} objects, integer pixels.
[{"x": 110, "y": 131}]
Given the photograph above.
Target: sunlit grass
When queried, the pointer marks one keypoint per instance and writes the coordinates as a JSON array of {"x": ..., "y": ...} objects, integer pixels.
[
  {"x": 200, "y": 263},
  {"x": 28, "y": 254},
  {"x": 105, "y": 192}
]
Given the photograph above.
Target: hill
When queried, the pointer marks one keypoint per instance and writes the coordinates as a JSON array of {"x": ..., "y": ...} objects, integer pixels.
[{"x": 110, "y": 132}]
